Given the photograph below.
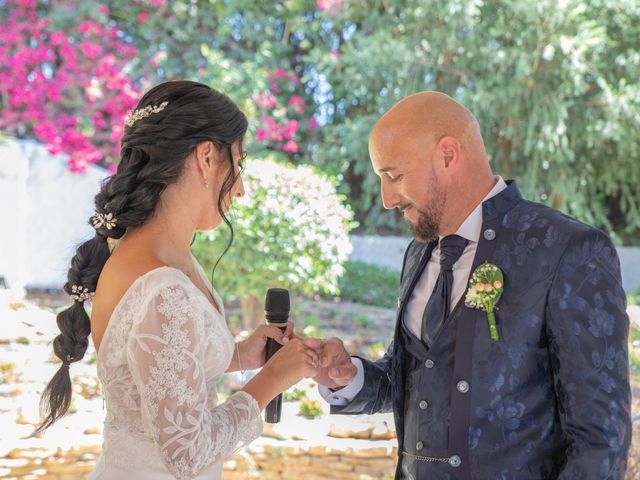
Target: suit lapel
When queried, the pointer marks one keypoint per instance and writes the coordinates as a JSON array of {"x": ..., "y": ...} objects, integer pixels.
[
  {"x": 416, "y": 259},
  {"x": 416, "y": 263}
]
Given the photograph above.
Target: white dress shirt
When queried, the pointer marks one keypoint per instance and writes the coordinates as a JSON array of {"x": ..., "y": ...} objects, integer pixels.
[{"x": 412, "y": 318}]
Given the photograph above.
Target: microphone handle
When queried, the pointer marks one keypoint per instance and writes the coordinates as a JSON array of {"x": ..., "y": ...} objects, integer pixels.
[{"x": 274, "y": 407}]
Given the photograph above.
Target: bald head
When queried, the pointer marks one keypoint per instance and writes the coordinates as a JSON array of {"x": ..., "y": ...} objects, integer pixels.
[{"x": 429, "y": 116}]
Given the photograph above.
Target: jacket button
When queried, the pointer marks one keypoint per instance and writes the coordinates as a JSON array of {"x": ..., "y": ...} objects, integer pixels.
[
  {"x": 429, "y": 363},
  {"x": 489, "y": 234},
  {"x": 419, "y": 446},
  {"x": 455, "y": 461},
  {"x": 423, "y": 405},
  {"x": 462, "y": 386}
]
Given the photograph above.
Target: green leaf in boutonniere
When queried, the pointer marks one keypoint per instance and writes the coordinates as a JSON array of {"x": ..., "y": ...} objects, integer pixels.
[{"x": 485, "y": 289}]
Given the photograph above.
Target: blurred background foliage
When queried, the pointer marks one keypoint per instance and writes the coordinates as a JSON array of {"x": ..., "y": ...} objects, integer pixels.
[
  {"x": 552, "y": 83},
  {"x": 290, "y": 231}
]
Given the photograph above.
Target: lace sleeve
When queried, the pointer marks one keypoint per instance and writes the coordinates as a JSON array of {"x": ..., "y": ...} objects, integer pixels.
[{"x": 166, "y": 352}]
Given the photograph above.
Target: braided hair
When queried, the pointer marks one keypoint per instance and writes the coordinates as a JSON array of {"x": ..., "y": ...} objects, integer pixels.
[{"x": 169, "y": 122}]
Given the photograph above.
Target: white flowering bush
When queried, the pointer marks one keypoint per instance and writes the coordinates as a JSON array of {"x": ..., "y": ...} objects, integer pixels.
[{"x": 290, "y": 231}]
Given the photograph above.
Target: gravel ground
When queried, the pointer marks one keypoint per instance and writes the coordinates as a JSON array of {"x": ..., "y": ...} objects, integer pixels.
[{"x": 26, "y": 364}]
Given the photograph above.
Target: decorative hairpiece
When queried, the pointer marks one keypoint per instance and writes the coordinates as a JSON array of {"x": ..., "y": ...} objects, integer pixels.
[
  {"x": 67, "y": 362},
  {"x": 136, "y": 115},
  {"x": 80, "y": 293},
  {"x": 104, "y": 219}
]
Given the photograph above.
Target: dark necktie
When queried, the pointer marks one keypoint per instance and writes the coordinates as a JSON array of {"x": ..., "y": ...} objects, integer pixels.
[{"x": 438, "y": 306}]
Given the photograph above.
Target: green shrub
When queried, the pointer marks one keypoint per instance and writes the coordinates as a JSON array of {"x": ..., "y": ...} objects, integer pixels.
[
  {"x": 295, "y": 395},
  {"x": 362, "y": 320},
  {"x": 7, "y": 372},
  {"x": 311, "y": 327},
  {"x": 291, "y": 231},
  {"x": 369, "y": 285},
  {"x": 375, "y": 351},
  {"x": 633, "y": 298},
  {"x": 310, "y": 409}
]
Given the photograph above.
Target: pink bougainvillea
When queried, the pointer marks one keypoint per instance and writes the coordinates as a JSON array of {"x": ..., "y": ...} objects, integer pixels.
[
  {"x": 289, "y": 130},
  {"x": 265, "y": 100},
  {"x": 331, "y": 7},
  {"x": 298, "y": 104},
  {"x": 67, "y": 88},
  {"x": 281, "y": 112},
  {"x": 290, "y": 146}
]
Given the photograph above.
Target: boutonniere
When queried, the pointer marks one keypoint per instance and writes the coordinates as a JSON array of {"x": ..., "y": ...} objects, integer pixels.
[{"x": 485, "y": 289}]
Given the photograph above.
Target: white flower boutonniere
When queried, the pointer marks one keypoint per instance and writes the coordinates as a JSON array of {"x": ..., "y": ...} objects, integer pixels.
[{"x": 485, "y": 289}]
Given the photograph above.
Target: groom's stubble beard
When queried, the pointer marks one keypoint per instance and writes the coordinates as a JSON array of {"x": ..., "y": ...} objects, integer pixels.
[{"x": 427, "y": 227}]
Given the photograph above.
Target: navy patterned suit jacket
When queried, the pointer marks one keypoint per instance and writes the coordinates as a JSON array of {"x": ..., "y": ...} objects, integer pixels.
[{"x": 550, "y": 399}]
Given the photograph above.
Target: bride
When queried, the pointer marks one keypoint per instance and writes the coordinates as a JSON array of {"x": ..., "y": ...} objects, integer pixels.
[{"x": 157, "y": 325}]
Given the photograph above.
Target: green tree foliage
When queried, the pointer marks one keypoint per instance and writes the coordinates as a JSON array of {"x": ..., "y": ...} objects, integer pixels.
[{"x": 553, "y": 83}]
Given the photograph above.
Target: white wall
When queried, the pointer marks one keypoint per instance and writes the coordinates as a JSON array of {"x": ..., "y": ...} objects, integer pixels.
[
  {"x": 44, "y": 213},
  {"x": 14, "y": 170},
  {"x": 630, "y": 266}
]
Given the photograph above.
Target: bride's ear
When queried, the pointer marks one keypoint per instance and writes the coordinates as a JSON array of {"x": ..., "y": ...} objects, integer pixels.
[{"x": 206, "y": 155}]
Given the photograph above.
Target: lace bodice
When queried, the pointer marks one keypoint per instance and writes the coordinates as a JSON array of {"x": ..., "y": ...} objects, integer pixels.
[{"x": 161, "y": 354}]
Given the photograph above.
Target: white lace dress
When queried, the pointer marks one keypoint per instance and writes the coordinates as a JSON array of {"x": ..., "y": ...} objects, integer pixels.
[{"x": 161, "y": 354}]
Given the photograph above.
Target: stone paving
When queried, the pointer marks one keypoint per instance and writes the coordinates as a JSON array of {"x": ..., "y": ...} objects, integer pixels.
[
  {"x": 358, "y": 447},
  {"x": 68, "y": 450}
]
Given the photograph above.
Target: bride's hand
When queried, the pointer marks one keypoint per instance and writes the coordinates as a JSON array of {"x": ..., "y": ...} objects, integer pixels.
[{"x": 253, "y": 348}]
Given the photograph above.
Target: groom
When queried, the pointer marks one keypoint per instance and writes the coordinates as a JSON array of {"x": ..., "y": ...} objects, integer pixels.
[{"x": 546, "y": 394}]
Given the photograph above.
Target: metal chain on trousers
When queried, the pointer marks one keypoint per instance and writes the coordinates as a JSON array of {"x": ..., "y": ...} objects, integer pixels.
[{"x": 427, "y": 459}]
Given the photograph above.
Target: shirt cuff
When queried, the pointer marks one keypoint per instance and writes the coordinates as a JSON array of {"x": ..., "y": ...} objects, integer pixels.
[{"x": 342, "y": 397}]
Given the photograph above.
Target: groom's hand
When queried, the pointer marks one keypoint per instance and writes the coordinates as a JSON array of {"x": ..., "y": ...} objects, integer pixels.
[{"x": 336, "y": 368}]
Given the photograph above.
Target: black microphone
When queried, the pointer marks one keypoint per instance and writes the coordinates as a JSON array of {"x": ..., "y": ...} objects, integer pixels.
[{"x": 276, "y": 310}]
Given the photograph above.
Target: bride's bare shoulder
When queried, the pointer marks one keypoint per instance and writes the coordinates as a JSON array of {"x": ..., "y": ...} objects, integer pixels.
[
  {"x": 121, "y": 270},
  {"x": 116, "y": 277}
]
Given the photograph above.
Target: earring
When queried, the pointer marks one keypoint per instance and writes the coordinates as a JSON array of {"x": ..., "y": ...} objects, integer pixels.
[{"x": 206, "y": 183}]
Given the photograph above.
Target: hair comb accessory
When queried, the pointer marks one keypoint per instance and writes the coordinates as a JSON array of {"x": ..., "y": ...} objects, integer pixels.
[
  {"x": 67, "y": 362},
  {"x": 80, "y": 293},
  {"x": 140, "y": 113},
  {"x": 104, "y": 219}
]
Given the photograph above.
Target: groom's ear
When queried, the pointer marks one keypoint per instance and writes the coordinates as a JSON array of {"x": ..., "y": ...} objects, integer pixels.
[{"x": 449, "y": 152}]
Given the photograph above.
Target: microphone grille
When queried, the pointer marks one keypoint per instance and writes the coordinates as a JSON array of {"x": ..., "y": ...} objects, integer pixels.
[{"x": 277, "y": 301}]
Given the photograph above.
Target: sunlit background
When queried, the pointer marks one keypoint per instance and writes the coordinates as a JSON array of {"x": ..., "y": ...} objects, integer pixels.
[{"x": 552, "y": 83}]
